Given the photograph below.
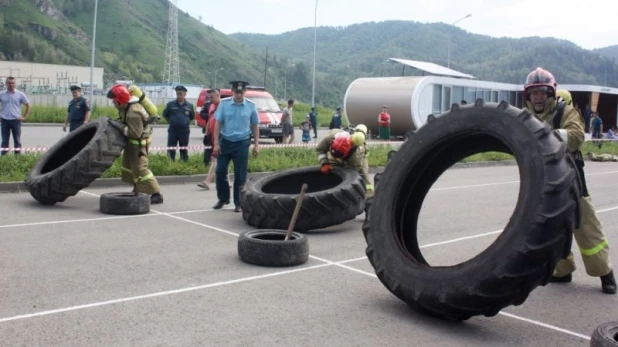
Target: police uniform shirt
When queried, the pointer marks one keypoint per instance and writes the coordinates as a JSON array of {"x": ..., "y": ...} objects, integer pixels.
[
  {"x": 236, "y": 118},
  {"x": 179, "y": 116},
  {"x": 78, "y": 108}
]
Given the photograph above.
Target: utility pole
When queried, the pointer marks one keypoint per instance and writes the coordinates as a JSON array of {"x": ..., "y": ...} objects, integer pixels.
[{"x": 171, "y": 72}]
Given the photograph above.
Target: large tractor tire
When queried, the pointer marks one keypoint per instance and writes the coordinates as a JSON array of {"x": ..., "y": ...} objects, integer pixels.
[
  {"x": 269, "y": 202},
  {"x": 75, "y": 161},
  {"x": 538, "y": 234}
]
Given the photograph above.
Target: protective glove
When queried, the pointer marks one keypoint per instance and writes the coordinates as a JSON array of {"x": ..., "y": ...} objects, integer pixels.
[
  {"x": 120, "y": 126},
  {"x": 326, "y": 168}
]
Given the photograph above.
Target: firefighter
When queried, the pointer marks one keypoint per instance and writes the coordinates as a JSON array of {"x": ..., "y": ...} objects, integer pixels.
[
  {"x": 134, "y": 125},
  {"x": 339, "y": 148},
  {"x": 541, "y": 100}
]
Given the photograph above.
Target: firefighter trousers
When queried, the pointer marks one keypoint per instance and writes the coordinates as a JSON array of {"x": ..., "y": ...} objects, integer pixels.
[
  {"x": 592, "y": 243},
  {"x": 135, "y": 167}
]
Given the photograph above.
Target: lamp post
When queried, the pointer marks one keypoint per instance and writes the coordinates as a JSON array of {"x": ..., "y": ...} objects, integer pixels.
[
  {"x": 449, "y": 40},
  {"x": 215, "y": 86},
  {"x": 285, "y": 88},
  {"x": 94, "y": 35},
  {"x": 315, "y": 35}
]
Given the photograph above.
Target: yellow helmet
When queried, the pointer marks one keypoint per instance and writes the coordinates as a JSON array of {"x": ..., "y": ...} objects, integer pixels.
[
  {"x": 565, "y": 95},
  {"x": 362, "y": 128},
  {"x": 358, "y": 138}
]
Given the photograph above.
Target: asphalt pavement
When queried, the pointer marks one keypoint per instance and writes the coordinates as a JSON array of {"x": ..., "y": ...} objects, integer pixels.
[{"x": 71, "y": 276}]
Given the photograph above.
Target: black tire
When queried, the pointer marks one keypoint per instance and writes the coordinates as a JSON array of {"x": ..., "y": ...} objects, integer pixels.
[
  {"x": 75, "y": 161},
  {"x": 605, "y": 335},
  {"x": 268, "y": 248},
  {"x": 124, "y": 203},
  {"x": 269, "y": 202},
  {"x": 523, "y": 257}
]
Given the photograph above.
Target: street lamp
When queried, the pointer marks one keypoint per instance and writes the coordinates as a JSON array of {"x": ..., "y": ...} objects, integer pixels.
[
  {"x": 315, "y": 35},
  {"x": 215, "y": 86},
  {"x": 94, "y": 35},
  {"x": 449, "y": 40},
  {"x": 285, "y": 88}
]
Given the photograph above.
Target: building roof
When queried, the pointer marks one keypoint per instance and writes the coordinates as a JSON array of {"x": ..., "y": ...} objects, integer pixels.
[{"x": 432, "y": 68}]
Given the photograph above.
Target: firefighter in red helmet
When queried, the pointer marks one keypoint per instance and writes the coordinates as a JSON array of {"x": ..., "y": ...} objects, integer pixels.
[
  {"x": 339, "y": 148},
  {"x": 135, "y": 126},
  {"x": 540, "y": 97}
]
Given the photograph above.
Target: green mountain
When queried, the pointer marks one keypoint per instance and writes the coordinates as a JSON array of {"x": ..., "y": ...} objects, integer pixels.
[
  {"x": 609, "y": 51},
  {"x": 345, "y": 53},
  {"x": 131, "y": 38}
]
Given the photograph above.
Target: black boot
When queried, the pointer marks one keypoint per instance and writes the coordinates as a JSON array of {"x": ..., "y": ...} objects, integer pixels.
[
  {"x": 220, "y": 204},
  {"x": 564, "y": 279},
  {"x": 608, "y": 282},
  {"x": 156, "y": 198}
]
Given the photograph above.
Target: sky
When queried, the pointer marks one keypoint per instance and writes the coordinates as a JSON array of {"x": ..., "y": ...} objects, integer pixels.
[{"x": 590, "y": 24}]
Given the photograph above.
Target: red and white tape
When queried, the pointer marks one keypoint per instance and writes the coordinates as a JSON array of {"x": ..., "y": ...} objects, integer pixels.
[{"x": 202, "y": 147}]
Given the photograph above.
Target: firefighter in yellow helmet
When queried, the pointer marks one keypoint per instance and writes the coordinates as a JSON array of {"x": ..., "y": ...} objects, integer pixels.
[
  {"x": 134, "y": 125},
  {"x": 339, "y": 148},
  {"x": 541, "y": 99}
]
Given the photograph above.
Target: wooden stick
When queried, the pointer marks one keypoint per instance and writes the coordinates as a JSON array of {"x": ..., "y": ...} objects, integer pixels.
[{"x": 299, "y": 203}]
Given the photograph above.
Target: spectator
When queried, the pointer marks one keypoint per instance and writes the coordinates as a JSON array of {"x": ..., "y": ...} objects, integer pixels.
[
  {"x": 78, "y": 112},
  {"x": 236, "y": 119},
  {"x": 11, "y": 100},
  {"x": 286, "y": 121},
  {"x": 306, "y": 128},
  {"x": 215, "y": 99},
  {"x": 335, "y": 122},
  {"x": 179, "y": 114},
  {"x": 313, "y": 118},
  {"x": 384, "y": 124},
  {"x": 596, "y": 128}
]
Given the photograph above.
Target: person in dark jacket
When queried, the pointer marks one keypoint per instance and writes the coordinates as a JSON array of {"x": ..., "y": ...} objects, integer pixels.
[{"x": 179, "y": 114}]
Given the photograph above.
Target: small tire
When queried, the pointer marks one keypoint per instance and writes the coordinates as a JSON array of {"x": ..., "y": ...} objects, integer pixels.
[
  {"x": 268, "y": 248},
  {"x": 524, "y": 255},
  {"x": 269, "y": 202},
  {"x": 124, "y": 203},
  {"x": 605, "y": 335},
  {"x": 75, "y": 161}
]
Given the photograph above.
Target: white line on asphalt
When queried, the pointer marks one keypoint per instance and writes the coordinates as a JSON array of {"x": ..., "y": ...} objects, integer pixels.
[
  {"x": 153, "y": 295},
  {"x": 531, "y": 321},
  {"x": 75, "y": 220},
  {"x": 545, "y": 325},
  {"x": 509, "y": 182}
]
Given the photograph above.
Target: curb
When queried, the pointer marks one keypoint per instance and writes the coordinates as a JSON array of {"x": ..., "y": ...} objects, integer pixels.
[{"x": 20, "y": 187}]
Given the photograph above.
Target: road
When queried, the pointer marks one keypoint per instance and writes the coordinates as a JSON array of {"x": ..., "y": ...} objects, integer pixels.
[{"x": 46, "y": 136}]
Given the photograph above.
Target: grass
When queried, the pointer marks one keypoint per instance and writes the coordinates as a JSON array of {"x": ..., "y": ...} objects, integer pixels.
[{"x": 15, "y": 168}]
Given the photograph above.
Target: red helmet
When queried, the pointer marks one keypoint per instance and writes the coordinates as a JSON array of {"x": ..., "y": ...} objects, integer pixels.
[
  {"x": 540, "y": 79},
  {"x": 120, "y": 94},
  {"x": 341, "y": 145}
]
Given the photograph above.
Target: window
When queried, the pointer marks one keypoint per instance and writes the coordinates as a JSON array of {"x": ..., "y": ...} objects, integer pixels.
[
  {"x": 494, "y": 96},
  {"x": 437, "y": 99},
  {"x": 512, "y": 98},
  {"x": 265, "y": 104},
  {"x": 504, "y": 96},
  {"x": 470, "y": 95},
  {"x": 446, "y": 100},
  {"x": 458, "y": 94}
]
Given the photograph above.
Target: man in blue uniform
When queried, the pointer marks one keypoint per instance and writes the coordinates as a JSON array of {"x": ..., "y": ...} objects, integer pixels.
[
  {"x": 78, "y": 112},
  {"x": 236, "y": 119},
  {"x": 179, "y": 114}
]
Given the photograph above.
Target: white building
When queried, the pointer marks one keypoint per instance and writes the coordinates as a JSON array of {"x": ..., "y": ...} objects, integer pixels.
[
  {"x": 35, "y": 78},
  {"x": 410, "y": 99}
]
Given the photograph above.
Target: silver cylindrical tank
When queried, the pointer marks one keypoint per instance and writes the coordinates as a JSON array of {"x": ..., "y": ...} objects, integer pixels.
[{"x": 365, "y": 96}]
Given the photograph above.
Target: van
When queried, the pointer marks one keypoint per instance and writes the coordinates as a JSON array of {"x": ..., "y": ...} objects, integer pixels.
[{"x": 269, "y": 113}]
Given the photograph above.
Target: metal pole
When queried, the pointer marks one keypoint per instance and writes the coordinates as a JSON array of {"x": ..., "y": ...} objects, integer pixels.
[
  {"x": 449, "y": 40},
  {"x": 94, "y": 35},
  {"x": 315, "y": 35}
]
